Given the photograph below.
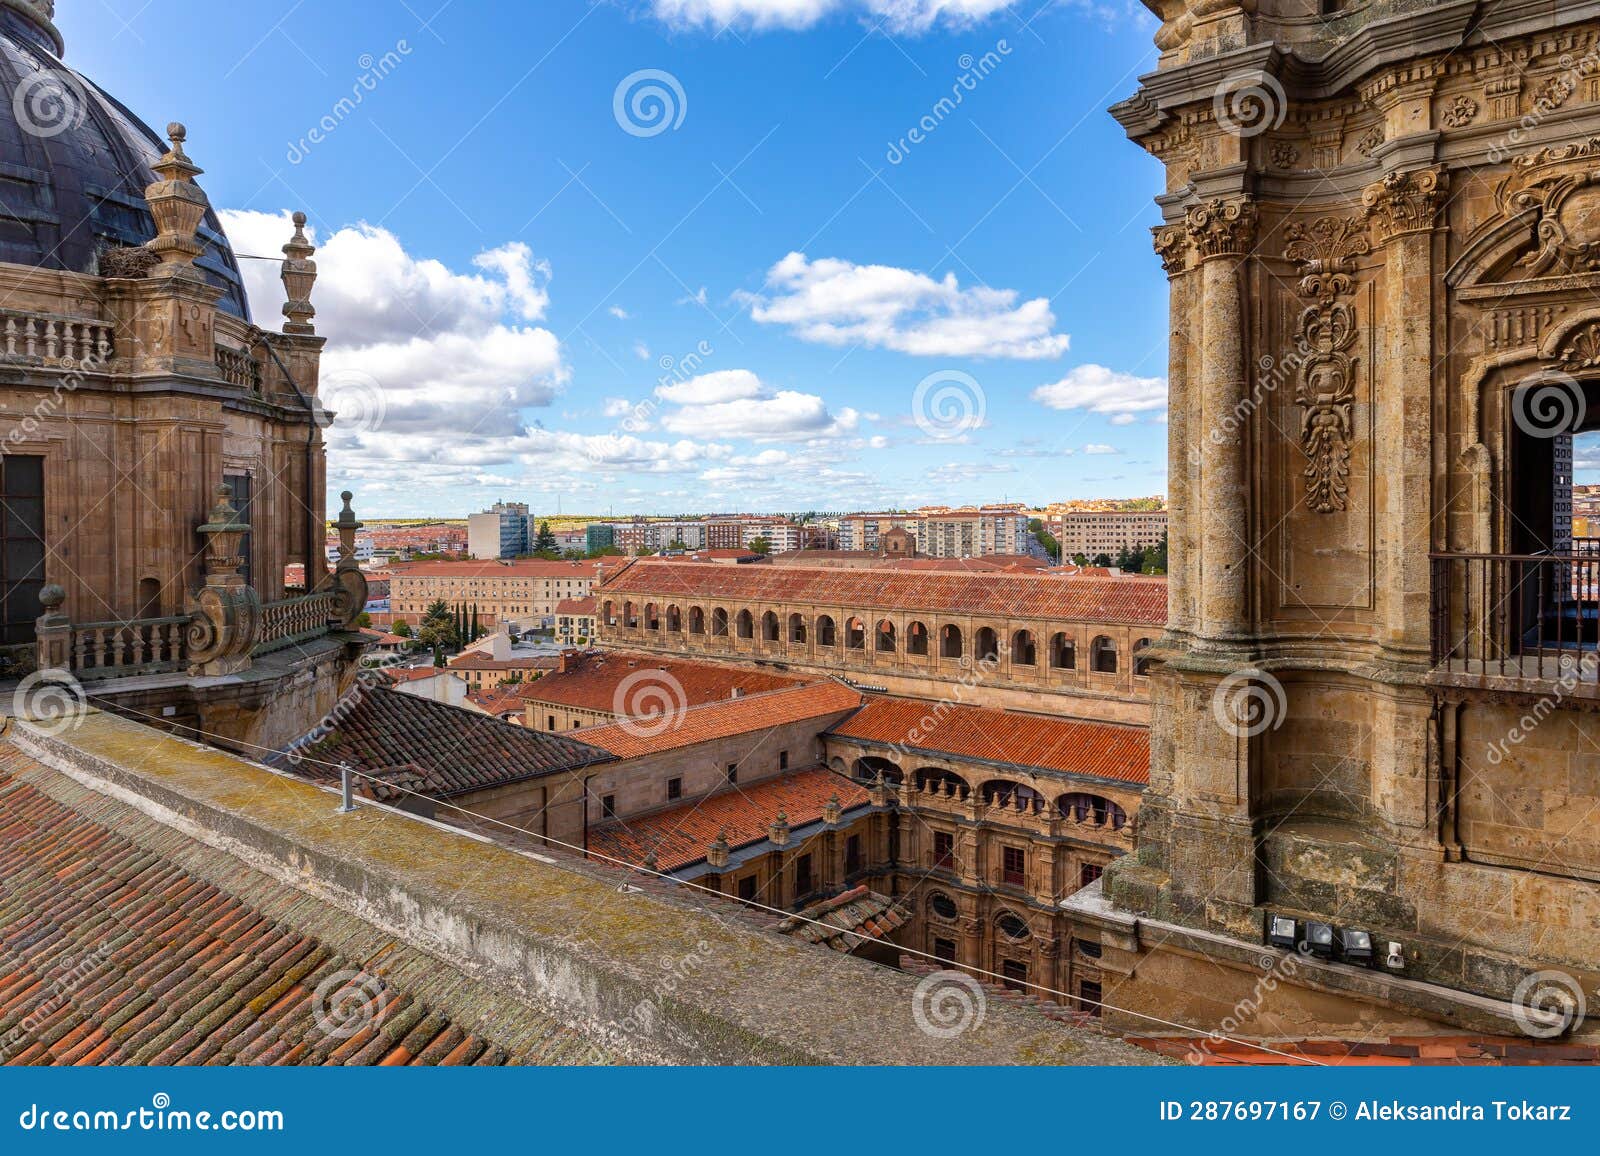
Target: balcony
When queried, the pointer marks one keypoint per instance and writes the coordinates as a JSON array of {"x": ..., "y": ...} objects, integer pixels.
[
  {"x": 52, "y": 341},
  {"x": 1526, "y": 622}
]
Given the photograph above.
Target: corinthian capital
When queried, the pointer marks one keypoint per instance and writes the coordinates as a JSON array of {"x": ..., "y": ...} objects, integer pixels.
[
  {"x": 1172, "y": 246},
  {"x": 1404, "y": 203},
  {"x": 1222, "y": 228}
]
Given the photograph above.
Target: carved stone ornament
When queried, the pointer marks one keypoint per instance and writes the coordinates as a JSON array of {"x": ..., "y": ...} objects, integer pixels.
[
  {"x": 1562, "y": 185},
  {"x": 1172, "y": 246},
  {"x": 1222, "y": 228},
  {"x": 1581, "y": 349},
  {"x": 1326, "y": 252},
  {"x": 1462, "y": 112},
  {"x": 1404, "y": 203},
  {"x": 1283, "y": 155}
]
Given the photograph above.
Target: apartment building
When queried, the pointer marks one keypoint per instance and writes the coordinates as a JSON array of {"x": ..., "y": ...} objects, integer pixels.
[
  {"x": 499, "y": 591},
  {"x": 971, "y": 532},
  {"x": 501, "y": 531},
  {"x": 1094, "y": 532}
]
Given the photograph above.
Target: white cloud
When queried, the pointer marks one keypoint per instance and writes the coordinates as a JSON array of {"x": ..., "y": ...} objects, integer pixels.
[
  {"x": 895, "y": 15},
  {"x": 713, "y": 388},
  {"x": 1093, "y": 449},
  {"x": 449, "y": 352},
  {"x": 617, "y": 407},
  {"x": 1105, "y": 391},
  {"x": 736, "y": 403},
  {"x": 619, "y": 312},
  {"x": 837, "y": 302}
]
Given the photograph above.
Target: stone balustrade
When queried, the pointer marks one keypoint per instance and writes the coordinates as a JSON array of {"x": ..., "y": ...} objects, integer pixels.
[
  {"x": 114, "y": 649},
  {"x": 292, "y": 620},
  {"x": 238, "y": 367},
  {"x": 54, "y": 341}
]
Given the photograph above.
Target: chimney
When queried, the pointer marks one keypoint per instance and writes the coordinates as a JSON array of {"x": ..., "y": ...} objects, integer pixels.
[{"x": 738, "y": 692}]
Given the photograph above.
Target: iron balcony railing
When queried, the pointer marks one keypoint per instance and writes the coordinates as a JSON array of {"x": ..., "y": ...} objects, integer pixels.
[{"x": 1518, "y": 616}]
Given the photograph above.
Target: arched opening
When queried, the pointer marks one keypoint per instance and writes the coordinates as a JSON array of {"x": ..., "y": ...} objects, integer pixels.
[
  {"x": 1141, "y": 662},
  {"x": 869, "y": 767},
  {"x": 855, "y": 634},
  {"x": 719, "y": 623},
  {"x": 917, "y": 640},
  {"x": 797, "y": 630},
  {"x": 769, "y": 627},
  {"x": 987, "y": 643},
  {"x": 885, "y": 637},
  {"x": 630, "y": 616},
  {"x": 936, "y": 781},
  {"x": 1063, "y": 653},
  {"x": 608, "y": 613},
  {"x": 1005, "y": 793},
  {"x": 1103, "y": 656},
  {"x": 950, "y": 642},
  {"x": 1023, "y": 650},
  {"x": 697, "y": 620},
  {"x": 1081, "y": 807},
  {"x": 827, "y": 632},
  {"x": 652, "y": 617},
  {"x": 149, "y": 598},
  {"x": 674, "y": 620},
  {"x": 746, "y": 624}
]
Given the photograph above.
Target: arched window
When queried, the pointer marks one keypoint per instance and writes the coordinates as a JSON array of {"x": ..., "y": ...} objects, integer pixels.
[
  {"x": 827, "y": 632},
  {"x": 674, "y": 620},
  {"x": 941, "y": 906},
  {"x": 797, "y": 629},
  {"x": 1004, "y": 793},
  {"x": 917, "y": 639},
  {"x": 769, "y": 627},
  {"x": 855, "y": 634},
  {"x": 1141, "y": 663},
  {"x": 950, "y": 644},
  {"x": 746, "y": 624},
  {"x": 719, "y": 623},
  {"x": 1023, "y": 650},
  {"x": 885, "y": 637},
  {"x": 988, "y": 644},
  {"x": 941, "y": 782},
  {"x": 1086, "y": 808},
  {"x": 630, "y": 617},
  {"x": 1063, "y": 653},
  {"x": 608, "y": 613},
  {"x": 1012, "y": 925},
  {"x": 1103, "y": 656},
  {"x": 697, "y": 620},
  {"x": 652, "y": 618},
  {"x": 869, "y": 767}
]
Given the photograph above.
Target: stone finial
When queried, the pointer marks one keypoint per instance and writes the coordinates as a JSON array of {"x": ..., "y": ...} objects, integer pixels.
[
  {"x": 52, "y": 630},
  {"x": 717, "y": 852},
  {"x": 299, "y": 275},
  {"x": 832, "y": 809},
  {"x": 650, "y": 861},
  {"x": 225, "y": 614},
  {"x": 778, "y": 832},
  {"x": 178, "y": 206},
  {"x": 224, "y": 532},
  {"x": 349, "y": 580}
]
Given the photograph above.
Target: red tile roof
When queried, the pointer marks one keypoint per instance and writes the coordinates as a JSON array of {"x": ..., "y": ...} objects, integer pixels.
[
  {"x": 847, "y": 921},
  {"x": 577, "y": 607},
  {"x": 119, "y": 952},
  {"x": 1069, "y": 746},
  {"x": 679, "y": 835},
  {"x": 592, "y": 682},
  {"x": 477, "y": 660},
  {"x": 700, "y": 724},
  {"x": 455, "y": 751},
  {"x": 524, "y": 568},
  {"x": 501, "y": 703},
  {"x": 1129, "y": 600}
]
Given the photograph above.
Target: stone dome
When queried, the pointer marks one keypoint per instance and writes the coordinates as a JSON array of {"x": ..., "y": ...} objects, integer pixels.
[{"x": 74, "y": 163}]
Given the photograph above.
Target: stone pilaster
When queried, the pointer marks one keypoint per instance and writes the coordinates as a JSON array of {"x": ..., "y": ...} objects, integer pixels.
[
  {"x": 1222, "y": 232},
  {"x": 1172, "y": 245}
]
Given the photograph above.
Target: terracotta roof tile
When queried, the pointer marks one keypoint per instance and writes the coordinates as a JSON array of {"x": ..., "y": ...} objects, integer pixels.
[
  {"x": 1112, "y": 601},
  {"x": 848, "y": 920},
  {"x": 438, "y": 749},
  {"x": 591, "y": 681},
  {"x": 1069, "y": 746},
  {"x": 699, "y": 724},
  {"x": 111, "y": 953},
  {"x": 679, "y": 835}
]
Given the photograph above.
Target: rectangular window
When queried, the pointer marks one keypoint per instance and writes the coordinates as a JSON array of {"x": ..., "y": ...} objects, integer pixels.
[
  {"x": 802, "y": 876},
  {"x": 552, "y": 725},
  {"x": 733, "y": 772},
  {"x": 21, "y": 545},
  {"x": 944, "y": 949},
  {"x": 1089, "y": 873},
  {"x": 747, "y": 887},
  {"x": 1014, "y": 867},
  {"x": 674, "y": 788},
  {"x": 609, "y": 806},
  {"x": 783, "y": 760},
  {"x": 852, "y": 854},
  {"x": 241, "y": 494},
  {"x": 1014, "y": 974},
  {"x": 1089, "y": 997},
  {"x": 944, "y": 848}
]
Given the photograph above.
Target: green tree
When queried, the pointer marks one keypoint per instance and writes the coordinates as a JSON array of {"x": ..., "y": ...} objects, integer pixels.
[
  {"x": 1045, "y": 538},
  {"x": 476, "y": 633},
  {"x": 545, "y": 541},
  {"x": 761, "y": 546},
  {"x": 438, "y": 630},
  {"x": 401, "y": 629},
  {"x": 364, "y": 620}
]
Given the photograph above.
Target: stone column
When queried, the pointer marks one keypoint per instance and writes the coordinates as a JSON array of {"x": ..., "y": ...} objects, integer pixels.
[
  {"x": 1222, "y": 232},
  {"x": 1404, "y": 210},
  {"x": 1172, "y": 244}
]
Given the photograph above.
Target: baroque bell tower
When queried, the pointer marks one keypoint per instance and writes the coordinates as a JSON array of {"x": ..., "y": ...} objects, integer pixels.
[{"x": 1380, "y": 235}]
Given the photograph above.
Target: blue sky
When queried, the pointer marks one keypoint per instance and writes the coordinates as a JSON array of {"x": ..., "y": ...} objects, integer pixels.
[{"x": 774, "y": 299}]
